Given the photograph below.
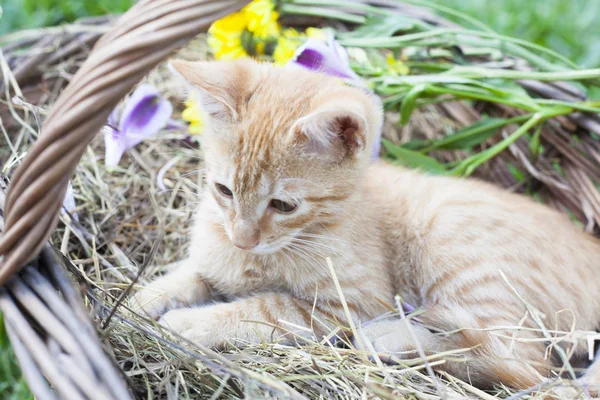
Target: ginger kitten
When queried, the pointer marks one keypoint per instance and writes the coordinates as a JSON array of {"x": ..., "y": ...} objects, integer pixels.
[{"x": 290, "y": 182}]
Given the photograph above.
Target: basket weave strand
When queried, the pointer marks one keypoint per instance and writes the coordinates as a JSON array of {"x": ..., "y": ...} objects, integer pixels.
[{"x": 144, "y": 36}]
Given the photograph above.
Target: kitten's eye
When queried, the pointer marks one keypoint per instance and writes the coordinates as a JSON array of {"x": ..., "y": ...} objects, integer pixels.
[
  {"x": 224, "y": 190},
  {"x": 282, "y": 207}
]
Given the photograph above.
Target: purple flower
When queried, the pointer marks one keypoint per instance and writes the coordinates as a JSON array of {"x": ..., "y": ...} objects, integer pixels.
[
  {"x": 327, "y": 57},
  {"x": 144, "y": 115}
]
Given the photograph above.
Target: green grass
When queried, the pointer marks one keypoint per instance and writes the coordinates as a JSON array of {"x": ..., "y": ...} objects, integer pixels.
[
  {"x": 21, "y": 14},
  {"x": 568, "y": 26},
  {"x": 12, "y": 385}
]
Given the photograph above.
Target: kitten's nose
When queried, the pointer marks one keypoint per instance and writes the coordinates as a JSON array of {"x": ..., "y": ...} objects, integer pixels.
[
  {"x": 245, "y": 245},
  {"x": 245, "y": 235}
]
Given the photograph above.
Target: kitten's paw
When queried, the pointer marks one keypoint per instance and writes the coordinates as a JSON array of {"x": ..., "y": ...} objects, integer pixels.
[
  {"x": 199, "y": 325},
  {"x": 167, "y": 293},
  {"x": 378, "y": 335},
  {"x": 388, "y": 338},
  {"x": 153, "y": 302}
]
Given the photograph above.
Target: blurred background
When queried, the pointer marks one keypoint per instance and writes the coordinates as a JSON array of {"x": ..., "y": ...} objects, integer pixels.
[{"x": 570, "y": 27}]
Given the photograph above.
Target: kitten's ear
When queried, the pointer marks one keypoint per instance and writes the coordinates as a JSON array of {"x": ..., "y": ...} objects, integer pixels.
[
  {"x": 331, "y": 134},
  {"x": 216, "y": 84}
]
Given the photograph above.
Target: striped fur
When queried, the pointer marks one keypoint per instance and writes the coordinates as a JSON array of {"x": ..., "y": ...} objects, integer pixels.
[{"x": 460, "y": 249}]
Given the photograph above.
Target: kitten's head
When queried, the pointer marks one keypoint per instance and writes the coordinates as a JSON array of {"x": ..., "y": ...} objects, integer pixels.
[{"x": 284, "y": 148}]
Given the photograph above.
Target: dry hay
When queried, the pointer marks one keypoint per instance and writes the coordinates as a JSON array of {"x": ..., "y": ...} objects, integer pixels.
[{"x": 126, "y": 224}]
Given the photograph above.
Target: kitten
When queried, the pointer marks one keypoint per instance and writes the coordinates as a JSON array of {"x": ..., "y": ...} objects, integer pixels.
[{"x": 290, "y": 181}]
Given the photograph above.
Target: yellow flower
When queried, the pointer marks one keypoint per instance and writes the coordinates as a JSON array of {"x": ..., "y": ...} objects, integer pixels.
[
  {"x": 195, "y": 116},
  {"x": 269, "y": 29},
  {"x": 262, "y": 18},
  {"x": 225, "y": 36},
  {"x": 246, "y": 32},
  {"x": 287, "y": 44},
  {"x": 396, "y": 66}
]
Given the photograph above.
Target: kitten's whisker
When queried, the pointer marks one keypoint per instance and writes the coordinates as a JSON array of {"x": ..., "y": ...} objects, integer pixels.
[
  {"x": 201, "y": 193},
  {"x": 310, "y": 253},
  {"x": 290, "y": 258},
  {"x": 313, "y": 243},
  {"x": 322, "y": 252},
  {"x": 309, "y": 249},
  {"x": 293, "y": 253},
  {"x": 302, "y": 180},
  {"x": 299, "y": 252},
  {"x": 350, "y": 215},
  {"x": 196, "y": 171},
  {"x": 308, "y": 263},
  {"x": 303, "y": 254},
  {"x": 316, "y": 236},
  {"x": 303, "y": 249}
]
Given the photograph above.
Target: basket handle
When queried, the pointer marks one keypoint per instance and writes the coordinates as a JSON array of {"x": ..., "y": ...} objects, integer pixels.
[{"x": 147, "y": 34}]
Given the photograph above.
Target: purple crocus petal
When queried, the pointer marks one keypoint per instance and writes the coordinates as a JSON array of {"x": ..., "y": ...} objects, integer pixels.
[
  {"x": 136, "y": 103},
  {"x": 341, "y": 55},
  {"x": 145, "y": 114},
  {"x": 113, "y": 118},
  {"x": 114, "y": 145},
  {"x": 310, "y": 58},
  {"x": 329, "y": 58}
]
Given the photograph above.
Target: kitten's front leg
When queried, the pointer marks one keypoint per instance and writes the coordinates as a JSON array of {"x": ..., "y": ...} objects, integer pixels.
[
  {"x": 262, "y": 317},
  {"x": 182, "y": 287}
]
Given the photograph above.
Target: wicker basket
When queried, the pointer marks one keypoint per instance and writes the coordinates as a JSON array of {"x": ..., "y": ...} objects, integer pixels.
[{"x": 51, "y": 331}]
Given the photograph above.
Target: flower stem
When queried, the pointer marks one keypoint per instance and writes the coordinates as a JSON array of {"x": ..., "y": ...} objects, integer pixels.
[
  {"x": 464, "y": 94},
  {"x": 322, "y": 12},
  {"x": 487, "y": 73},
  {"x": 345, "y": 5},
  {"x": 473, "y": 21},
  {"x": 584, "y": 106},
  {"x": 473, "y": 132},
  {"x": 399, "y": 41},
  {"x": 469, "y": 165}
]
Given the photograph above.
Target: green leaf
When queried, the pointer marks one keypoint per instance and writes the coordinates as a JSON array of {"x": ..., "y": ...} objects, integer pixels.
[
  {"x": 413, "y": 159},
  {"x": 417, "y": 144},
  {"x": 3, "y": 336},
  {"x": 410, "y": 101},
  {"x": 470, "y": 136},
  {"x": 574, "y": 218},
  {"x": 511, "y": 90},
  {"x": 534, "y": 144},
  {"x": 515, "y": 172},
  {"x": 383, "y": 26},
  {"x": 504, "y": 90},
  {"x": 466, "y": 138},
  {"x": 558, "y": 168},
  {"x": 594, "y": 92}
]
